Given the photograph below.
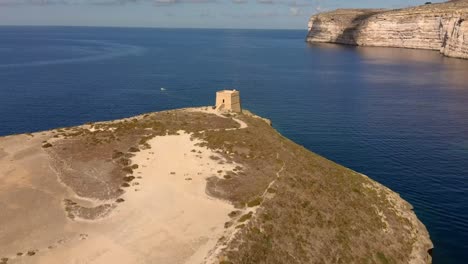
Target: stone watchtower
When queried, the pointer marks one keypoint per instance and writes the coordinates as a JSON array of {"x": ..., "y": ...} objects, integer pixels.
[{"x": 228, "y": 100}]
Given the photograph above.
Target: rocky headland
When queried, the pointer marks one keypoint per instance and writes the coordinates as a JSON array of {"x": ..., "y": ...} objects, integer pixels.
[
  {"x": 193, "y": 186},
  {"x": 442, "y": 27}
]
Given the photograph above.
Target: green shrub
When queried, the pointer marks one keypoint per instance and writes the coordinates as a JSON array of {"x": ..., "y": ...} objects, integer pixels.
[
  {"x": 127, "y": 169},
  {"x": 117, "y": 154},
  {"x": 234, "y": 213},
  {"x": 245, "y": 217},
  {"x": 382, "y": 259},
  {"x": 255, "y": 202},
  {"x": 133, "y": 149},
  {"x": 128, "y": 178}
]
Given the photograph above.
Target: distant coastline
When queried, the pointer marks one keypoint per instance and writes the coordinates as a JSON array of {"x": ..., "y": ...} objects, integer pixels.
[{"x": 442, "y": 27}]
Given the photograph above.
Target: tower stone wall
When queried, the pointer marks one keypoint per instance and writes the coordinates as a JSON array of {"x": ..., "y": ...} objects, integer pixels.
[{"x": 228, "y": 100}]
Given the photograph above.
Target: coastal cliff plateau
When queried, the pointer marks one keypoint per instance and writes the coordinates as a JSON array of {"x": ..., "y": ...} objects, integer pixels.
[
  {"x": 193, "y": 186},
  {"x": 442, "y": 27}
]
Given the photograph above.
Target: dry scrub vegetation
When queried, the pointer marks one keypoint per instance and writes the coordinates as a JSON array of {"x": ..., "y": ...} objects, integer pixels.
[{"x": 316, "y": 211}]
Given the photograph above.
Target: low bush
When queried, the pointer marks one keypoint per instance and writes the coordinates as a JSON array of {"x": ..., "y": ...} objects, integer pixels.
[
  {"x": 47, "y": 145},
  {"x": 245, "y": 217},
  {"x": 255, "y": 202}
]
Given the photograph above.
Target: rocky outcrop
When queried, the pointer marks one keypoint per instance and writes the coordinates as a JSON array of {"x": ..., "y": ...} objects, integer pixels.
[{"x": 442, "y": 27}]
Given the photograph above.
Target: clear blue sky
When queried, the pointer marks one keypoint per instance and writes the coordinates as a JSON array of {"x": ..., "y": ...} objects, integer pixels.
[{"x": 178, "y": 13}]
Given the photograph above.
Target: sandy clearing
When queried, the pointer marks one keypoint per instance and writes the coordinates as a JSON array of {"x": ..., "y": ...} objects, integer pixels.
[
  {"x": 30, "y": 209},
  {"x": 174, "y": 214},
  {"x": 166, "y": 217}
]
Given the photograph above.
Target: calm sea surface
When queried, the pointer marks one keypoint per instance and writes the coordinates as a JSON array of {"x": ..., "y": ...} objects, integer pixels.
[{"x": 399, "y": 116}]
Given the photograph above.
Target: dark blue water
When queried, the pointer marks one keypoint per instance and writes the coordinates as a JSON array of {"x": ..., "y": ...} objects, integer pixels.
[{"x": 399, "y": 116}]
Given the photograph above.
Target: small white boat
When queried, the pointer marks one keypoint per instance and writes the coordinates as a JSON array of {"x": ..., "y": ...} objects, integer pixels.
[{"x": 163, "y": 89}]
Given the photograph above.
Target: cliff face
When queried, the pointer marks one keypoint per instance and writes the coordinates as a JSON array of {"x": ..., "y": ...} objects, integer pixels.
[{"x": 442, "y": 27}]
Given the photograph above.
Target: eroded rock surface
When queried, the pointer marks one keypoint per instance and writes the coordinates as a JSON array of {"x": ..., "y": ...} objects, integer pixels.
[{"x": 442, "y": 27}]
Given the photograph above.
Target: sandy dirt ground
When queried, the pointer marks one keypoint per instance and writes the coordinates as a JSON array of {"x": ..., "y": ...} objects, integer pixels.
[
  {"x": 31, "y": 215},
  {"x": 166, "y": 216}
]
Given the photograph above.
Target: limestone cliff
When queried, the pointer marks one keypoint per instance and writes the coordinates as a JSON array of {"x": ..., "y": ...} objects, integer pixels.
[{"x": 442, "y": 27}]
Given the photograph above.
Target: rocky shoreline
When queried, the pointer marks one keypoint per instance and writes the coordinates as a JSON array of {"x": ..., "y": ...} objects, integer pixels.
[{"x": 442, "y": 27}]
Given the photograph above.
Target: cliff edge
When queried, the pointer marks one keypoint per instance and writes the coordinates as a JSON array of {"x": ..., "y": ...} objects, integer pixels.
[{"x": 442, "y": 27}]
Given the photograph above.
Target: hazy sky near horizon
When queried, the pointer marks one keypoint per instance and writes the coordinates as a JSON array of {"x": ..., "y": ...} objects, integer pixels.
[{"x": 178, "y": 13}]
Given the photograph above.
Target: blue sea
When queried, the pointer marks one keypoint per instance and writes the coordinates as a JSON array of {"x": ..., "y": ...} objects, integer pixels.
[{"x": 399, "y": 116}]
